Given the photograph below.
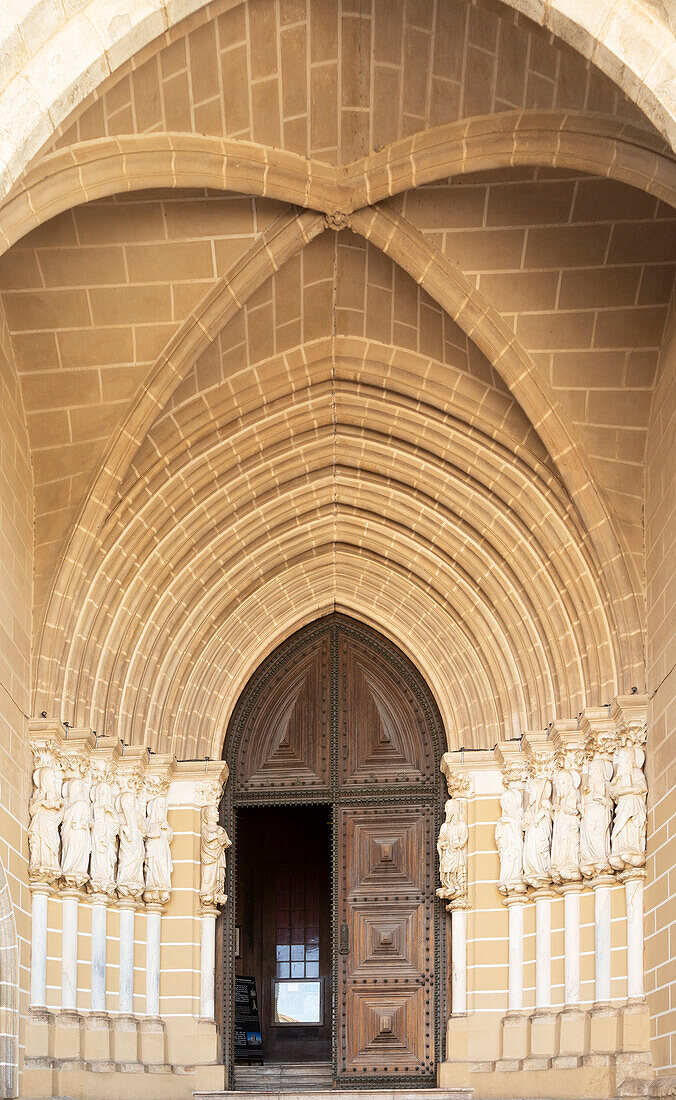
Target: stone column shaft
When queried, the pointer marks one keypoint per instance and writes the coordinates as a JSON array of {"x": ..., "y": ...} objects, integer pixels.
[
  {"x": 515, "y": 1001},
  {"x": 458, "y": 961},
  {"x": 127, "y": 960},
  {"x": 543, "y": 949},
  {"x": 99, "y": 953},
  {"x": 634, "y": 894},
  {"x": 69, "y": 918},
  {"x": 602, "y": 941},
  {"x": 153, "y": 935},
  {"x": 39, "y": 905},
  {"x": 571, "y": 917},
  {"x": 207, "y": 965}
]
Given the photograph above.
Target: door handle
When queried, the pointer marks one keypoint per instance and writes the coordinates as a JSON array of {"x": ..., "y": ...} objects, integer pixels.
[{"x": 344, "y": 940}]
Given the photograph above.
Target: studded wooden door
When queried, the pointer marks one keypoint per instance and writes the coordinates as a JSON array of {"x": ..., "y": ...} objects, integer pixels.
[
  {"x": 338, "y": 715},
  {"x": 386, "y": 976}
]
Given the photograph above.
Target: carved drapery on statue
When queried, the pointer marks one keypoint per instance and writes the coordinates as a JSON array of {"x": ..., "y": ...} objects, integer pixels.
[
  {"x": 453, "y": 837},
  {"x": 88, "y": 829},
  {"x": 509, "y": 841},
  {"x": 46, "y": 811},
  {"x": 585, "y": 800}
]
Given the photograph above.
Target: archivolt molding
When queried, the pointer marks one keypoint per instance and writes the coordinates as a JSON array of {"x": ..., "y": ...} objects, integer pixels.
[
  {"x": 623, "y": 38},
  {"x": 482, "y": 538},
  {"x": 575, "y": 140}
]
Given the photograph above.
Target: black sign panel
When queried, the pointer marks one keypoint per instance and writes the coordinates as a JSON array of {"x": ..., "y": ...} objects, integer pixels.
[{"x": 248, "y": 1041}]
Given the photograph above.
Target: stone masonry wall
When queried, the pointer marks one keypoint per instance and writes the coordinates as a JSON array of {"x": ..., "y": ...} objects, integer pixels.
[
  {"x": 16, "y": 562},
  {"x": 660, "y": 520}
]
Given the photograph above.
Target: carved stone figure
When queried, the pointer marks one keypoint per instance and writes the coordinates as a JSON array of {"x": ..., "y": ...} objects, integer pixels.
[
  {"x": 105, "y": 825},
  {"x": 76, "y": 834},
  {"x": 214, "y": 841},
  {"x": 158, "y": 862},
  {"x": 565, "y": 851},
  {"x": 537, "y": 821},
  {"x": 597, "y": 811},
  {"x": 629, "y": 789},
  {"x": 509, "y": 841},
  {"x": 131, "y": 851},
  {"x": 45, "y": 817},
  {"x": 452, "y": 849}
]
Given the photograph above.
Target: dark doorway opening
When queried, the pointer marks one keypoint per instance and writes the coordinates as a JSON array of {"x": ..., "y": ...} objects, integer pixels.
[{"x": 284, "y": 920}]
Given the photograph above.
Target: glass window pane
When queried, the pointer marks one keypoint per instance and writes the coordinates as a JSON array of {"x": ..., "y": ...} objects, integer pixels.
[
  {"x": 312, "y": 969},
  {"x": 282, "y": 952},
  {"x": 312, "y": 952},
  {"x": 298, "y": 970},
  {"x": 283, "y": 970},
  {"x": 298, "y": 1002}
]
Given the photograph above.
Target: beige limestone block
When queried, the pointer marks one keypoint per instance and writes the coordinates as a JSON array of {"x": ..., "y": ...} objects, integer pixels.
[
  {"x": 67, "y": 1035},
  {"x": 573, "y": 1033},
  {"x": 124, "y": 1039},
  {"x": 515, "y": 1036},
  {"x": 96, "y": 1038},
  {"x": 543, "y": 1035},
  {"x": 152, "y": 1041}
]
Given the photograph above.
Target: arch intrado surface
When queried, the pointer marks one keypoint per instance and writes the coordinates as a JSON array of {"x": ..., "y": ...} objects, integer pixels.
[
  {"x": 81, "y": 50},
  {"x": 337, "y": 715}
]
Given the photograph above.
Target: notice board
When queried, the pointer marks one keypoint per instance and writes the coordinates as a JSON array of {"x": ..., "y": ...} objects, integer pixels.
[{"x": 248, "y": 1041}]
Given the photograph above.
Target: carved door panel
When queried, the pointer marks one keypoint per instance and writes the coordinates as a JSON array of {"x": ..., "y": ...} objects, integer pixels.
[
  {"x": 285, "y": 739},
  {"x": 382, "y": 727},
  {"x": 385, "y": 995}
]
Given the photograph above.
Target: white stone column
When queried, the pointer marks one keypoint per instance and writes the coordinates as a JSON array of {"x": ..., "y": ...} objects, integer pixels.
[
  {"x": 208, "y": 963},
  {"x": 153, "y": 936},
  {"x": 99, "y": 953},
  {"x": 127, "y": 958},
  {"x": 633, "y": 886},
  {"x": 458, "y": 961},
  {"x": 602, "y": 940},
  {"x": 571, "y": 922},
  {"x": 69, "y": 922},
  {"x": 515, "y": 904},
  {"x": 39, "y": 906},
  {"x": 543, "y": 948}
]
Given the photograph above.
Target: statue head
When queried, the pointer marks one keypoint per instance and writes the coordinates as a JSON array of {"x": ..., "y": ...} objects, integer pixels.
[
  {"x": 453, "y": 810},
  {"x": 511, "y": 802}
]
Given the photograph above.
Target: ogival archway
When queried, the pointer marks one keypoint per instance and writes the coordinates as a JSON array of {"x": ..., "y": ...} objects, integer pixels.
[{"x": 333, "y": 806}]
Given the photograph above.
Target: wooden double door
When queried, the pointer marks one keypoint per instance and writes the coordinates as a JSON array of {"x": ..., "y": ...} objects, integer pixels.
[{"x": 338, "y": 716}]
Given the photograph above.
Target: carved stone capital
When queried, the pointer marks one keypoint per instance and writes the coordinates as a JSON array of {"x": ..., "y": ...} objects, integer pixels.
[
  {"x": 209, "y": 792},
  {"x": 540, "y": 754},
  {"x": 459, "y": 782},
  {"x": 512, "y": 763}
]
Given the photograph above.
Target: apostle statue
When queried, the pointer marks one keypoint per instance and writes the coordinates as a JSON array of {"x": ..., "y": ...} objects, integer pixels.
[
  {"x": 509, "y": 841},
  {"x": 537, "y": 821},
  {"x": 629, "y": 789},
  {"x": 565, "y": 854},
  {"x": 105, "y": 826},
  {"x": 131, "y": 852},
  {"x": 76, "y": 834},
  {"x": 452, "y": 849},
  {"x": 597, "y": 811},
  {"x": 43, "y": 831},
  {"x": 158, "y": 862},
  {"x": 213, "y": 843}
]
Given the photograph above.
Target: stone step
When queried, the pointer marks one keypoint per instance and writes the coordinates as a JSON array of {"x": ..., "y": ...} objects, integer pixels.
[{"x": 346, "y": 1094}]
